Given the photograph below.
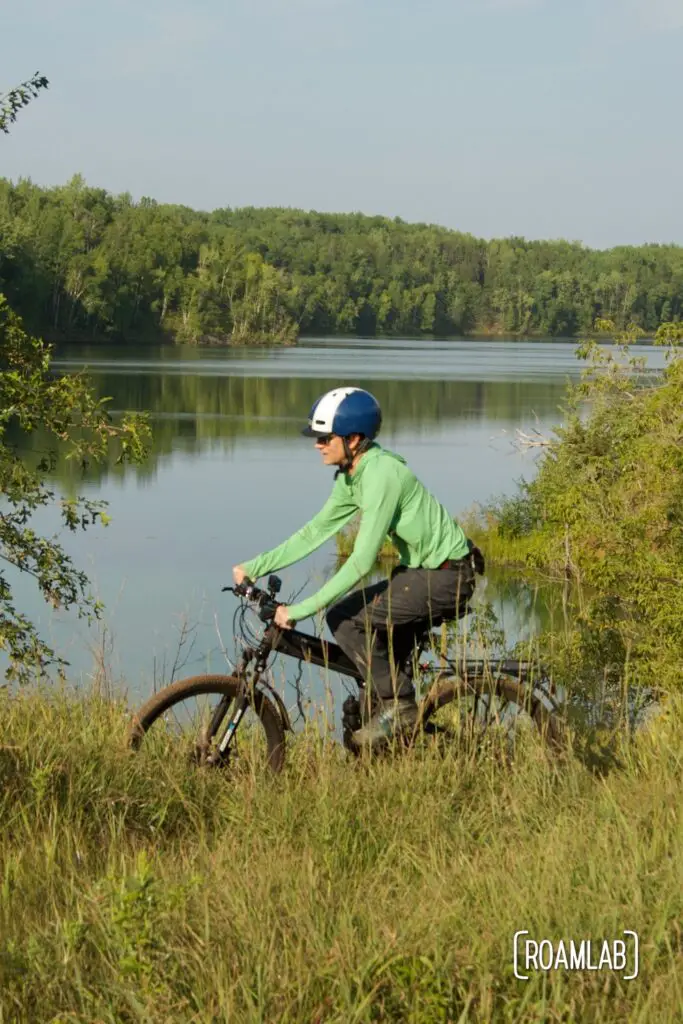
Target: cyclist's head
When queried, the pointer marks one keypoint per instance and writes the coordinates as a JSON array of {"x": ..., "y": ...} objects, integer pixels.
[
  {"x": 345, "y": 411},
  {"x": 344, "y": 423}
]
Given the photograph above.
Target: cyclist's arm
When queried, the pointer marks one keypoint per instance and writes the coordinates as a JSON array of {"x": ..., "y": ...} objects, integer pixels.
[
  {"x": 379, "y": 502},
  {"x": 334, "y": 514}
]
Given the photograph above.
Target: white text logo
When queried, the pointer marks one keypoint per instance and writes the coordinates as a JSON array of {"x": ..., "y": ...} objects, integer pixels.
[{"x": 618, "y": 955}]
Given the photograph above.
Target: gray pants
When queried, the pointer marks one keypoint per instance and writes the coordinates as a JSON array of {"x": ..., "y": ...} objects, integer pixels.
[{"x": 377, "y": 627}]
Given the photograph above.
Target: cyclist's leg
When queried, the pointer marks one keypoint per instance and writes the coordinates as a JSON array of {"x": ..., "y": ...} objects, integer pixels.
[
  {"x": 348, "y": 621},
  {"x": 376, "y": 627},
  {"x": 414, "y": 599}
]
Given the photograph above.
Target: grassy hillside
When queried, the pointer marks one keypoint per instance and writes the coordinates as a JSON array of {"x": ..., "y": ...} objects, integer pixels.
[{"x": 134, "y": 890}]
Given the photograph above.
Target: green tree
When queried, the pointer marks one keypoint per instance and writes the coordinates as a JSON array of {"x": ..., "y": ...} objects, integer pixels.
[
  {"x": 65, "y": 407},
  {"x": 12, "y": 101},
  {"x": 77, "y": 261},
  {"x": 31, "y": 397},
  {"x": 606, "y": 510}
]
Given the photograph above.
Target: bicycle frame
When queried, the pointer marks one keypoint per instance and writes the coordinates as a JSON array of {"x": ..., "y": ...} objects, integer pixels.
[
  {"x": 311, "y": 649},
  {"x": 301, "y": 646},
  {"x": 328, "y": 655}
]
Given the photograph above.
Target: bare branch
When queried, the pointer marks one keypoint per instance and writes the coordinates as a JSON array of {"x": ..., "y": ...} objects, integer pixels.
[{"x": 534, "y": 439}]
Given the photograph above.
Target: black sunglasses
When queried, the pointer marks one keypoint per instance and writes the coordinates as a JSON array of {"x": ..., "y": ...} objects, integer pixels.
[{"x": 324, "y": 438}]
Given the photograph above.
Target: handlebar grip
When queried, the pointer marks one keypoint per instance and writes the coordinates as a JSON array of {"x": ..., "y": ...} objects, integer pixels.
[{"x": 241, "y": 589}]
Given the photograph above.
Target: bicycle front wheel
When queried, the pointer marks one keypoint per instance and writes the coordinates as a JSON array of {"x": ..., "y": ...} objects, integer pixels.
[{"x": 189, "y": 719}]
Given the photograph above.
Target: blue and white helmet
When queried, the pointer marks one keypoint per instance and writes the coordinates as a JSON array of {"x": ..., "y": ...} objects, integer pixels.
[{"x": 345, "y": 411}]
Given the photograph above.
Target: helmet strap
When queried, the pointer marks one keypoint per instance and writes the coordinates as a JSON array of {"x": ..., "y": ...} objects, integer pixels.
[{"x": 349, "y": 456}]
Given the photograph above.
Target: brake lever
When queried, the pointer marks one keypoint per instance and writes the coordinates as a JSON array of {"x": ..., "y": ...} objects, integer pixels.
[{"x": 240, "y": 589}]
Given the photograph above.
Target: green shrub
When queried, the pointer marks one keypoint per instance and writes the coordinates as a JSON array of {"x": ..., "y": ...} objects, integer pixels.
[{"x": 605, "y": 510}]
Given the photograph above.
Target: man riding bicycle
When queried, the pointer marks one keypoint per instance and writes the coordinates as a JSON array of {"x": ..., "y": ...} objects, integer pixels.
[{"x": 375, "y": 626}]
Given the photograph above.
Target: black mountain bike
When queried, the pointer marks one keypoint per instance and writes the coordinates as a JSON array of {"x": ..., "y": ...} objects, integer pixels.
[{"x": 200, "y": 717}]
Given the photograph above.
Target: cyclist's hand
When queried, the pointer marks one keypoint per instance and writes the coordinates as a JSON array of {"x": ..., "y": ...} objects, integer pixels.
[
  {"x": 281, "y": 617},
  {"x": 238, "y": 574}
]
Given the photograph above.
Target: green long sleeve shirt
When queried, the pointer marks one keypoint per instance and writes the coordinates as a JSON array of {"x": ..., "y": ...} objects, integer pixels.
[{"x": 391, "y": 501}]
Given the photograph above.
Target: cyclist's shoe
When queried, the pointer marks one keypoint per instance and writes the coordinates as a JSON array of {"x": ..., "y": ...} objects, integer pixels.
[
  {"x": 351, "y": 714},
  {"x": 351, "y": 721},
  {"x": 391, "y": 720},
  {"x": 356, "y": 712}
]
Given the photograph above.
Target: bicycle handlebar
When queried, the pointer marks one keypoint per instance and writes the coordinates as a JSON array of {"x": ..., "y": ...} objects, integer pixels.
[{"x": 255, "y": 595}]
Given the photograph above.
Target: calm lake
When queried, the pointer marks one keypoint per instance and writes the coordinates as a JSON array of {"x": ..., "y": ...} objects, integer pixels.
[{"x": 230, "y": 476}]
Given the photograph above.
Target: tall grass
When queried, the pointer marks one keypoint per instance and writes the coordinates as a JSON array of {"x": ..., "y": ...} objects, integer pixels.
[{"x": 133, "y": 890}]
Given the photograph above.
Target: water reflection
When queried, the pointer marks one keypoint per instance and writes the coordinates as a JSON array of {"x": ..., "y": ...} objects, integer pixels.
[{"x": 193, "y": 412}]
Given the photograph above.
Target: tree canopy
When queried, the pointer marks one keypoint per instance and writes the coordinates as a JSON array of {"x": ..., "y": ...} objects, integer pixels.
[{"x": 77, "y": 261}]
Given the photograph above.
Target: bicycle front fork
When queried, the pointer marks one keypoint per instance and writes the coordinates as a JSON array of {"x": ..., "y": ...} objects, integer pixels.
[{"x": 220, "y": 754}]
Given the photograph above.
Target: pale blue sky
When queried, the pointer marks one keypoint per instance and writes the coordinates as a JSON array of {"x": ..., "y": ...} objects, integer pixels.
[{"x": 544, "y": 118}]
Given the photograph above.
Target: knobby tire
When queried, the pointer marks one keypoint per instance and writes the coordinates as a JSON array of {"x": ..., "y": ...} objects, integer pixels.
[
  {"x": 514, "y": 691},
  {"x": 165, "y": 699}
]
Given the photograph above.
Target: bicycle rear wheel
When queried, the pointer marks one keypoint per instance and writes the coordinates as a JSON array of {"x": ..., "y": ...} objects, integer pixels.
[
  {"x": 503, "y": 704},
  {"x": 189, "y": 719}
]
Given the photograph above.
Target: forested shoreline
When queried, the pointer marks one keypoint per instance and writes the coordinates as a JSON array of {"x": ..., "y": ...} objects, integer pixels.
[{"x": 79, "y": 262}]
